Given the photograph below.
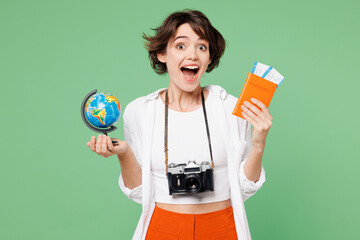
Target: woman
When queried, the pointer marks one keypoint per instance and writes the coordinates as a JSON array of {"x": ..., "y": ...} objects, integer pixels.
[{"x": 189, "y": 124}]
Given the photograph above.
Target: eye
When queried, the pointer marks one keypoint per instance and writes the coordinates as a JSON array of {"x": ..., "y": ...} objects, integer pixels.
[
  {"x": 180, "y": 46},
  {"x": 202, "y": 47}
]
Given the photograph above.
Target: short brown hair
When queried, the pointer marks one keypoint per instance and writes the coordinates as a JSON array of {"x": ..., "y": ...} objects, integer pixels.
[{"x": 201, "y": 26}]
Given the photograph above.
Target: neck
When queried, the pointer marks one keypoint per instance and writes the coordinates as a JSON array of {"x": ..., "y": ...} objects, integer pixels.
[{"x": 184, "y": 101}]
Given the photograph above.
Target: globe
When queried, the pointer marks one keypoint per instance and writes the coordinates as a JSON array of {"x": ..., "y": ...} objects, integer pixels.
[{"x": 102, "y": 110}]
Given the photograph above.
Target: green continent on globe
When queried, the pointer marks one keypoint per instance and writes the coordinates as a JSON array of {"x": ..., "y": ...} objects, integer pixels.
[{"x": 99, "y": 114}]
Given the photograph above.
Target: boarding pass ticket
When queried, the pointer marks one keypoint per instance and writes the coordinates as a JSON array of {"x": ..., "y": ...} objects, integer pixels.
[{"x": 267, "y": 72}]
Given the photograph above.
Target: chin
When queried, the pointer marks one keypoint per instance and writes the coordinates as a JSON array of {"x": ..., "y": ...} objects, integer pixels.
[
  {"x": 189, "y": 87},
  {"x": 184, "y": 85}
]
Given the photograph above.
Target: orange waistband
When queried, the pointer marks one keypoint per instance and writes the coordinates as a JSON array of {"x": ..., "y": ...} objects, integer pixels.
[
  {"x": 200, "y": 215},
  {"x": 165, "y": 224}
]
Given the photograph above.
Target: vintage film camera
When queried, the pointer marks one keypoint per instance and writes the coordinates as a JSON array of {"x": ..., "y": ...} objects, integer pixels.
[{"x": 190, "y": 178}]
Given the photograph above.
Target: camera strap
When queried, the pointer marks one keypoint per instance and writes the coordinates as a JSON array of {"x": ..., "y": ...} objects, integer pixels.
[{"x": 166, "y": 128}]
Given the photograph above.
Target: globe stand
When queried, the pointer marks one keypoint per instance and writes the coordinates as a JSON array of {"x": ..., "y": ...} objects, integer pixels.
[{"x": 87, "y": 123}]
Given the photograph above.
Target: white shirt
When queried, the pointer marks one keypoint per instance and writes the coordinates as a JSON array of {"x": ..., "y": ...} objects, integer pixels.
[
  {"x": 139, "y": 118},
  {"x": 188, "y": 141}
]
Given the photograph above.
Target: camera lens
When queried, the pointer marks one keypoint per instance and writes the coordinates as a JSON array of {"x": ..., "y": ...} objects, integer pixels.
[{"x": 192, "y": 183}]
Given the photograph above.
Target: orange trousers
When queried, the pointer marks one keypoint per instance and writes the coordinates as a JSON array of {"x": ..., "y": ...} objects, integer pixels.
[{"x": 166, "y": 225}]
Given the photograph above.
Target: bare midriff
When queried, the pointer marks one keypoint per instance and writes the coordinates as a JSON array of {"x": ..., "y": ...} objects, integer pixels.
[{"x": 195, "y": 208}]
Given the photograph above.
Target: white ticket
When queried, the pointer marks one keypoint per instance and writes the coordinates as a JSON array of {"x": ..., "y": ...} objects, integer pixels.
[
  {"x": 259, "y": 69},
  {"x": 267, "y": 72},
  {"x": 273, "y": 76}
]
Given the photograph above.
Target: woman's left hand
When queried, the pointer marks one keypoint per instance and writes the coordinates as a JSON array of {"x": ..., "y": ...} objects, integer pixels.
[{"x": 260, "y": 119}]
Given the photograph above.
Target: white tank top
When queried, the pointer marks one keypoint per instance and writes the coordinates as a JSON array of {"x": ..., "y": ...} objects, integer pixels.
[{"x": 187, "y": 140}]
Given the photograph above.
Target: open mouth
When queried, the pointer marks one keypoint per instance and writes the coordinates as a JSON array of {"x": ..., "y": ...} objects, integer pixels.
[{"x": 189, "y": 72}]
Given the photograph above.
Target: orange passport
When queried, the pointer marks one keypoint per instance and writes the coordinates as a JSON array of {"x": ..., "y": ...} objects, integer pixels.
[{"x": 255, "y": 87}]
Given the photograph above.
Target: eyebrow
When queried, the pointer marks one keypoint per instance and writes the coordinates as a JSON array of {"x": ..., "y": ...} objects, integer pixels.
[{"x": 186, "y": 38}]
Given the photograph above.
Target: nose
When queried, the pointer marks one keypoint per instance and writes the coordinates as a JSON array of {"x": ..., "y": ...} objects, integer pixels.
[{"x": 193, "y": 54}]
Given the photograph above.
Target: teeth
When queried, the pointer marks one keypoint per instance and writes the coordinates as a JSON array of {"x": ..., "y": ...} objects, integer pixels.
[{"x": 191, "y": 67}]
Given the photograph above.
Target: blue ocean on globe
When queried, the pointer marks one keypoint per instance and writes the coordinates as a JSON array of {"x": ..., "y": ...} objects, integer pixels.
[{"x": 102, "y": 110}]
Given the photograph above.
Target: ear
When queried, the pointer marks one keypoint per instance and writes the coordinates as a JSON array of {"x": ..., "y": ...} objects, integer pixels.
[
  {"x": 161, "y": 57},
  {"x": 210, "y": 60}
]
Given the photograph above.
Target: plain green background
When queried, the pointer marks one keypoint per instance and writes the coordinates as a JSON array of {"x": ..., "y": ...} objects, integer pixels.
[{"x": 52, "y": 53}]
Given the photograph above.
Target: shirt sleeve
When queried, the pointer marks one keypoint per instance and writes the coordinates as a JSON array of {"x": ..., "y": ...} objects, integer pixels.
[
  {"x": 248, "y": 187},
  {"x": 132, "y": 135},
  {"x": 243, "y": 143}
]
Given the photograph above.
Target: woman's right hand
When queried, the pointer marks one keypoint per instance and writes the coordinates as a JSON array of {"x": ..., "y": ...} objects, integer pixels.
[{"x": 103, "y": 146}]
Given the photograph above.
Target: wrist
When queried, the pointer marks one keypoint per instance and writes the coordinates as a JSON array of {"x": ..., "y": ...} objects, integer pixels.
[
  {"x": 259, "y": 147},
  {"x": 125, "y": 152}
]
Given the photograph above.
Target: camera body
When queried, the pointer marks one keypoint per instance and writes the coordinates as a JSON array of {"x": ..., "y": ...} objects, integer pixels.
[{"x": 190, "y": 178}]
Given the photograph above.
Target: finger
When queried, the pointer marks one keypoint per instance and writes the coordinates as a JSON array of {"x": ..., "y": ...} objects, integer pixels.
[
  {"x": 92, "y": 143},
  {"x": 98, "y": 144},
  {"x": 115, "y": 142},
  {"x": 250, "y": 114},
  {"x": 263, "y": 114},
  {"x": 104, "y": 144},
  {"x": 110, "y": 145},
  {"x": 249, "y": 119},
  {"x": 257, "y": 111},
  {"x": 263, "y": 107}
]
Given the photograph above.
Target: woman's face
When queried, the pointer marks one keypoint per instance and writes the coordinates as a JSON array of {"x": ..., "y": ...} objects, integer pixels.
[{"x": 187, "y": 58}]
